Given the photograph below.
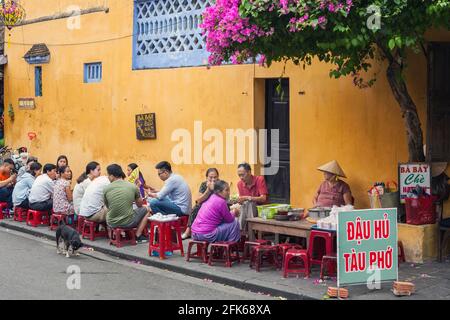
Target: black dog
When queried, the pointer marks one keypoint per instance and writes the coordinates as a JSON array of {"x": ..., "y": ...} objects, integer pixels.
[{"x": 71, "y": 238}]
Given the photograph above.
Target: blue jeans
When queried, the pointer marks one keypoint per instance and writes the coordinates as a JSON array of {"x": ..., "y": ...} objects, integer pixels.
[
  {"x": 165, "y": 207},
  {"x": 6, "y": 195}
]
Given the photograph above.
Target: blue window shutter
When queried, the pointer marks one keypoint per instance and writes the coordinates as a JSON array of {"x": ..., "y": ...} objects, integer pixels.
[
  {"x": 92, "y": 72},
  {"x": 38, "y": 81}
]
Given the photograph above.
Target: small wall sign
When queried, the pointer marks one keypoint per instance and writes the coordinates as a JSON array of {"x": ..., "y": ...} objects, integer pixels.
[
  {"x": 145, "y": 126},
  {"x": 26, "y": 103}
]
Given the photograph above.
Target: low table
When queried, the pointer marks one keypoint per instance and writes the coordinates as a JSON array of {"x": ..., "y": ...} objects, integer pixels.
[{"x": 300, "y": 228}]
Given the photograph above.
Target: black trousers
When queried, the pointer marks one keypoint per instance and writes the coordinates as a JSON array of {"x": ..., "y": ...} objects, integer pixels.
[{"x": 42, "y": 206}]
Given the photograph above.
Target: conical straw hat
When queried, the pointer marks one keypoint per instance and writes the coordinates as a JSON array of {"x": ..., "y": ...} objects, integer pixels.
[
  {"x": 334, "y": 168},
  {"x": 437, "y": 168}
]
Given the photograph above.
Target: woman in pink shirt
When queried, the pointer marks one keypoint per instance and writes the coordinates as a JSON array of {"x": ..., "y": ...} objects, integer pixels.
[{"x": 214, "y": 221}]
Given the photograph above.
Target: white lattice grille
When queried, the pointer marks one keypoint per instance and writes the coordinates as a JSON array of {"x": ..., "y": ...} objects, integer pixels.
[{"x": 167, "y": 33}]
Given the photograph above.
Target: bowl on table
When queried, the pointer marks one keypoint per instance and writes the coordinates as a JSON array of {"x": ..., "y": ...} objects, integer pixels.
[{"x": 279, "y": 217}]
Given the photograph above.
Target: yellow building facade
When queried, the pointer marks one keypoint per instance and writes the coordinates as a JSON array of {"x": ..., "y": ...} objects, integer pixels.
[{"x": 329, "y": 119}]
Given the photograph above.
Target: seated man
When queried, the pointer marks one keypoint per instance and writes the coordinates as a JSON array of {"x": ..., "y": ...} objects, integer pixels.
[
  {"x": 7, "y": 181},
  {"x": 23, "y": 187},
  {"x": 119, "y": 197},
  {"x": 92, "y": 205},
  {"x": 41, "y": 194},
  {"x": 175, "y": 197},
  {"x": 252, "y": 191}
]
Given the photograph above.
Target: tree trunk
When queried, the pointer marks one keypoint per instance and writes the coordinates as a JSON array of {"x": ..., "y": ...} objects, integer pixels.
[{"x": 409, "y": 111}]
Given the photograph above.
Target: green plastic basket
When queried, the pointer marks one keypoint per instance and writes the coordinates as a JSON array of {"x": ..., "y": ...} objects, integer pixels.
[{"x": 271, "y": 210}]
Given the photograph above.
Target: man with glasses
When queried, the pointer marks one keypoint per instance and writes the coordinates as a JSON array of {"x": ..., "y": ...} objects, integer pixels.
[
  {"x": 175, "y": 197},
  {"x": 252, "y": 191}
]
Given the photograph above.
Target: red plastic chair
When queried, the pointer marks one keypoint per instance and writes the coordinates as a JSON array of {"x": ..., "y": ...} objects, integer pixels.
[
  {"x": 56, "y": 219},
  {"x": 162, "y": 234},
  {"x": 329, "y": 263},
  {"x": 4, "y": 210},
  {"x": 225, "y": 252},
  {"x": 201, "y": 250},
  {"x": 401, "y": 253},
  {"x": 91, "y": 230},
  {"x": 183, "y": 222},
  {"x": 283, "y": 249},
  {"x": 248, "y": 245},
  {"x": 116, "y": 238},
  {"x": 290, "y": 267},
  {"x": 262, "y": 256},
  {"x": 37, "y": 218},
  {"x": 20, "y": 214},
  {"x": 315, "y": 251}
]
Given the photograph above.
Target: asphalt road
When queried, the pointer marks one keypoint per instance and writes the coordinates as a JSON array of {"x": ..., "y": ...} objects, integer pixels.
[{"x": 31, "y": 269}]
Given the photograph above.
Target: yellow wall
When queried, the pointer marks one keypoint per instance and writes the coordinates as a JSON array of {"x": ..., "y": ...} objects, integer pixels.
[{"x": 362, "y": 129}]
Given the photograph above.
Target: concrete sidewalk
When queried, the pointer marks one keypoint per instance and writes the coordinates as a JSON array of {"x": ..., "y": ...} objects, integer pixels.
[{"x": 432, "y": 279}]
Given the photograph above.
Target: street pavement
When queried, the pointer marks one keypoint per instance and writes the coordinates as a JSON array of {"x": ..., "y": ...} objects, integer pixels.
[{"x": 30, "y": 268}]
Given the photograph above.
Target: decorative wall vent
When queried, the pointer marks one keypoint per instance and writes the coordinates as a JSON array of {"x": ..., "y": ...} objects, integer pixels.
[{"x": 167, "y": 34}]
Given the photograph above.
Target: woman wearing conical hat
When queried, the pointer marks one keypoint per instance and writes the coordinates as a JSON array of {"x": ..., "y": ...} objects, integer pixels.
[{"x": 333, "y": 191}]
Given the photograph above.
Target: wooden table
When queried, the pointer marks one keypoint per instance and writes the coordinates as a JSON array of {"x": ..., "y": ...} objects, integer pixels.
[{"x": 300, "y": 228}]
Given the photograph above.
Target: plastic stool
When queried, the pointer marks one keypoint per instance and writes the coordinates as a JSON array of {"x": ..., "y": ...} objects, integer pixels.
[
  {"x": 184, "y": 219},
  {"x": 20, "y": 214},
  {"x": 401, "y": 253},
  {"x": 116, "y": 239},
  {"x": 227, "y": 252},
  {"x": 294, "y": 254},
  {"x": 202, "y": 250},
  {"x": 36, "y": 218},
  {"x": 161, "y": 234},
  {"x": 91, "y": 230},
  {"x": 56, "y": 219},
  {"x": 283, "y": 248},
  {"x": 316, "y": 257},
  {"x": 248, "y": 245},
  {"x": 330, "y": 263},
  {"x": 4, "y": 210},
  {"x": 263, "y": 254}
]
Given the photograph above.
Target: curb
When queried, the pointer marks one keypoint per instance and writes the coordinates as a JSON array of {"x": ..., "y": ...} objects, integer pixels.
[{"x": 192, "y": 273}]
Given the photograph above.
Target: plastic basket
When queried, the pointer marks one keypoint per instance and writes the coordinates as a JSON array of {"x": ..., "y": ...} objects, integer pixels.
[
  {"x": 420, "y": 211},
  {"x": 271, "y": 210}
]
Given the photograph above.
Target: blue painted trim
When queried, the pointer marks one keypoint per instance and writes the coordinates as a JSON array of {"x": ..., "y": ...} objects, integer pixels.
[{"x": 93, "y": 72}]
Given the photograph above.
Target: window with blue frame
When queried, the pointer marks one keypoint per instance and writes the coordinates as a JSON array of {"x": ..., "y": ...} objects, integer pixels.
[
  {"x": 167, "y": 34},
  {"x": 93, "y": 72},
  {"x": 38, "y": 81}
]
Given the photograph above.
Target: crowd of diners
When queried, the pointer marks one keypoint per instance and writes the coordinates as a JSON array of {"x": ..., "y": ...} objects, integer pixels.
[{"x": 125, "y": 200}]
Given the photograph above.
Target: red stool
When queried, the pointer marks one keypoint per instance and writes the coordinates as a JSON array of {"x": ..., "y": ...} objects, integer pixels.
[
  {"x": 116, "y": 238},
  {"x": 183, "y": 222},
  {"x": 36, "y": 218},
  {"x": 315, "y": 255},
  {"x": 4, "y": 210},
  {"x": 291, "y": 256},
  {"x": 227, "y": 252},
  {"x": 161, "y": 237},
  {"x": 80, "y": 223},
  {"x": 263, "y": 255},
  {"x": 20, "y": 214},
  {"x": 330, "y": 263},
  {"x": 91, "y": 230},
  {"x": 248, "y": 245},
  {"x": 56, "y": 219},
  {"x": 401, "y": 253},
  {"x": 283, "y": 248},
  {"x": 202, "y": 250}
]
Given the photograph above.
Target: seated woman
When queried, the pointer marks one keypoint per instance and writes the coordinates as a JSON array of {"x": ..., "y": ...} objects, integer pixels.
[
  {"x": 135, "y": 176},
  {"x": 92, "y": 172},
  {"x": 205, "y": 191},
  {"x": 333, "y": 192},
  {"x": 214, "y": 221},
  {"x": 62, "y": 194}
]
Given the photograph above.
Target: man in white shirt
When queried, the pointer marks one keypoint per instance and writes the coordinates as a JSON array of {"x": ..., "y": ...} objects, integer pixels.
[
  {"x": 41, "y": 194},
  {"x": 92, "y": 205}
]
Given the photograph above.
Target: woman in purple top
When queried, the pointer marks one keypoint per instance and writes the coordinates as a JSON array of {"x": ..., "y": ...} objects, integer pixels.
[{"x": 214, "y": 221}]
